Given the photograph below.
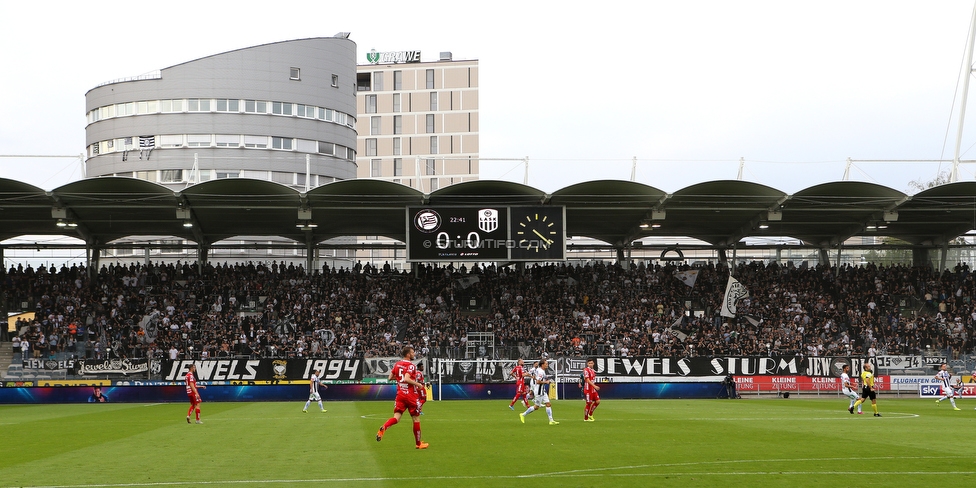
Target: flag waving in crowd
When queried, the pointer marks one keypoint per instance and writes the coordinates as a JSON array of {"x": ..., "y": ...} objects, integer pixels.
[
  {"x": 733, "y": 292},
  {"x": 687, "y": 277}
]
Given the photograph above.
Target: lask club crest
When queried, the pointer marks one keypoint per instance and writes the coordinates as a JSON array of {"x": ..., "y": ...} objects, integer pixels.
[{"x": 488, "y": 220}]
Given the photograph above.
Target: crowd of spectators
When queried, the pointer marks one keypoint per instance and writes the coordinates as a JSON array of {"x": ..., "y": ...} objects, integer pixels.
[{"x": 277, "y": 310}]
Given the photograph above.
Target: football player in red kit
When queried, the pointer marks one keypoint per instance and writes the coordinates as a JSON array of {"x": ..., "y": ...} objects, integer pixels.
[
  {"x": 407, "y": 398},
  {"x": 192, "y": 391},
  {"x": 590, "y": 390},
  {"x": 521, "y": 391}
]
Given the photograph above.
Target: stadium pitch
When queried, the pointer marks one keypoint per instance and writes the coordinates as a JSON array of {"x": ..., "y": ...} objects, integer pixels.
[{"x": 751, "y": 442}]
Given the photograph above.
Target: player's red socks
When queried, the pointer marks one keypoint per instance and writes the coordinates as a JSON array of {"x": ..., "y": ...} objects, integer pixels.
[
  {"x": 389, "y": 423},
  {"x": 586, "y": 410},
  {"x": 198, "y": 414},
  {"x": 416, "y": 431},
  {"x": 590, "y": 407}
]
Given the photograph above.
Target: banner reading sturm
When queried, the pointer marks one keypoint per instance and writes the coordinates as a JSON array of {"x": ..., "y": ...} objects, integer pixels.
[
  {"x": 265, "y": 369},
  {"x": 721, "y": 366}
]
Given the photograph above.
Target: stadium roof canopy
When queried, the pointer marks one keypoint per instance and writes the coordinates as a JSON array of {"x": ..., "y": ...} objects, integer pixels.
[{"x": 721, "y": 213}]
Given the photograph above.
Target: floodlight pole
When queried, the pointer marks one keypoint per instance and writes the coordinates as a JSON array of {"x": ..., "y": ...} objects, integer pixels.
[{"x": 968, "y": 72}]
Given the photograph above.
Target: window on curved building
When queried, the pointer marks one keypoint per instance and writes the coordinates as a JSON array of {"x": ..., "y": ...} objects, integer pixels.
[
  {"x": 326, "y": 148},
  {"x": 198, "y": 105},
  {"x": 255, "y": 107},
  {"x": 148, "y": 107},
  {"x": 306, "y": 146},
  {"x": 228, "y": 105},
  {"x": 228, "y": 140},
  {"x": 282, "y": 143},
  {"x": 295, "y": 74},
  {"x": 198, "y": 140},
  {"x": 281, "y": 108},
  {"x": 171, "y": 105},
  {"x": 227, "y": 174},
  {"x": 171, "y": 176},
  {"x": 257, "y": 142},
  {"x": 171, "y": 140}
]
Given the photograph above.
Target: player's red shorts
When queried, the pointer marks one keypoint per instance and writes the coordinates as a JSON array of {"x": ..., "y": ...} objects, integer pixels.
[
  {"x": 193, "y": 399},
  {"x": 592, "y": 396},
  {"x": 411, "y": 404},
  {"x": 521, "y": 389}
]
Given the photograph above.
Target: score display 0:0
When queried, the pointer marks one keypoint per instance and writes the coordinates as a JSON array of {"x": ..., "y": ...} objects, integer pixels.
[{"x": 443, "y": 241}]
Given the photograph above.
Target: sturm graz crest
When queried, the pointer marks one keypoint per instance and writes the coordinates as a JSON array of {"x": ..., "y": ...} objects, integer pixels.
[
  {"x": 427, "y": 221},
  {"x": 837, "y": 366}
]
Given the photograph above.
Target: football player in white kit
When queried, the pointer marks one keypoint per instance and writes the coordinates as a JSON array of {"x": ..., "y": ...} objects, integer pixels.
[
  {"x": 313, "y": 391},
  {"x": 849, "y": 389},
  {"x": 540, "y": 391},
  {"x": 944, "y": 377}
]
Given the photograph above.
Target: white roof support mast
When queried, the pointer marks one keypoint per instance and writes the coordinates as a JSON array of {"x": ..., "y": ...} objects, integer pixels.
[{"x": 967, "y": 74}]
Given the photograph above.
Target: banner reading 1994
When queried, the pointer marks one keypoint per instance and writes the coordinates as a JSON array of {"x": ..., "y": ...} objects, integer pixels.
[{"x": 264, "y": 369}]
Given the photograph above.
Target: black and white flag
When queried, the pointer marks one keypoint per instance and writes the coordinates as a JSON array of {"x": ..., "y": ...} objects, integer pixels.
[
  {"x": 146, "y": 145},
  {"x": 733, "y": 292}
]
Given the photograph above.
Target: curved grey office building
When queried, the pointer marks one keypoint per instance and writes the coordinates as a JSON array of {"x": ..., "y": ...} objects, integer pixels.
[{"x": 276, "y": 112}]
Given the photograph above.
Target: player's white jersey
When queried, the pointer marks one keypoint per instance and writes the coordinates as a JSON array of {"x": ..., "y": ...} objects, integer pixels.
[
  {"x": 313, "y": 388},
  {"x": 944, "y": 377},
  {"x": 845, "y": 380},
  {"x": 538, "y": 376}
]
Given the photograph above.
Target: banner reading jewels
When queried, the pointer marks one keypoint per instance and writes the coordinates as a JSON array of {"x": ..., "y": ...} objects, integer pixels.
[
  {"x": 264, "y": 369},
  {"x": 49, "y": 364},
  {"x": 714, "y": 366},
  {"x": 111, "y": 366}
]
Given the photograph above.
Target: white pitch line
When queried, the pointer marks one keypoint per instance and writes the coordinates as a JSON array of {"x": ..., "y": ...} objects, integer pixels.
[{"x": 566, "y": 474}]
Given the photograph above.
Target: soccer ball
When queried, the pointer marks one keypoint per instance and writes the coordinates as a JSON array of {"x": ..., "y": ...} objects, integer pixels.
[{"x": 489, "y": 392}]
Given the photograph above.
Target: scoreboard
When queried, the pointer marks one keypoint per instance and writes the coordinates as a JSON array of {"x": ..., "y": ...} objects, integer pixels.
[{"x": 490, "y": 233}]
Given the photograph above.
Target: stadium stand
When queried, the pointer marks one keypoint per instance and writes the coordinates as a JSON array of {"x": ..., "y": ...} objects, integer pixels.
[{"x": 272, "y": 310}]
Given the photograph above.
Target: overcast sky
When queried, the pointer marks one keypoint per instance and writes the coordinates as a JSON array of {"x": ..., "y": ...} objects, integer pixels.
[{"x": 689, "y": 87}]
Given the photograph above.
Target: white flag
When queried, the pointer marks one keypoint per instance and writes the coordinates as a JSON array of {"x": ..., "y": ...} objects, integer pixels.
[
  {"x": 733, "y": 292},
  {"x": 680, "y": 334},
  {"x": 687, "y": 277}
]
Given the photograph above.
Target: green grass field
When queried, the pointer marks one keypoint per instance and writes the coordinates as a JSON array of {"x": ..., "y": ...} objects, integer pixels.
[{"x": 751, "y": 442}]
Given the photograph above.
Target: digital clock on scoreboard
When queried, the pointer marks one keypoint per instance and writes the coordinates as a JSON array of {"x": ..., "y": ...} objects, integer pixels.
[{"x": 457, "y": 234}]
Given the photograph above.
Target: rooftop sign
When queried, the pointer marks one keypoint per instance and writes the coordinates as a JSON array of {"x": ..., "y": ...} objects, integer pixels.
[{"x": 393, "y": 57}]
